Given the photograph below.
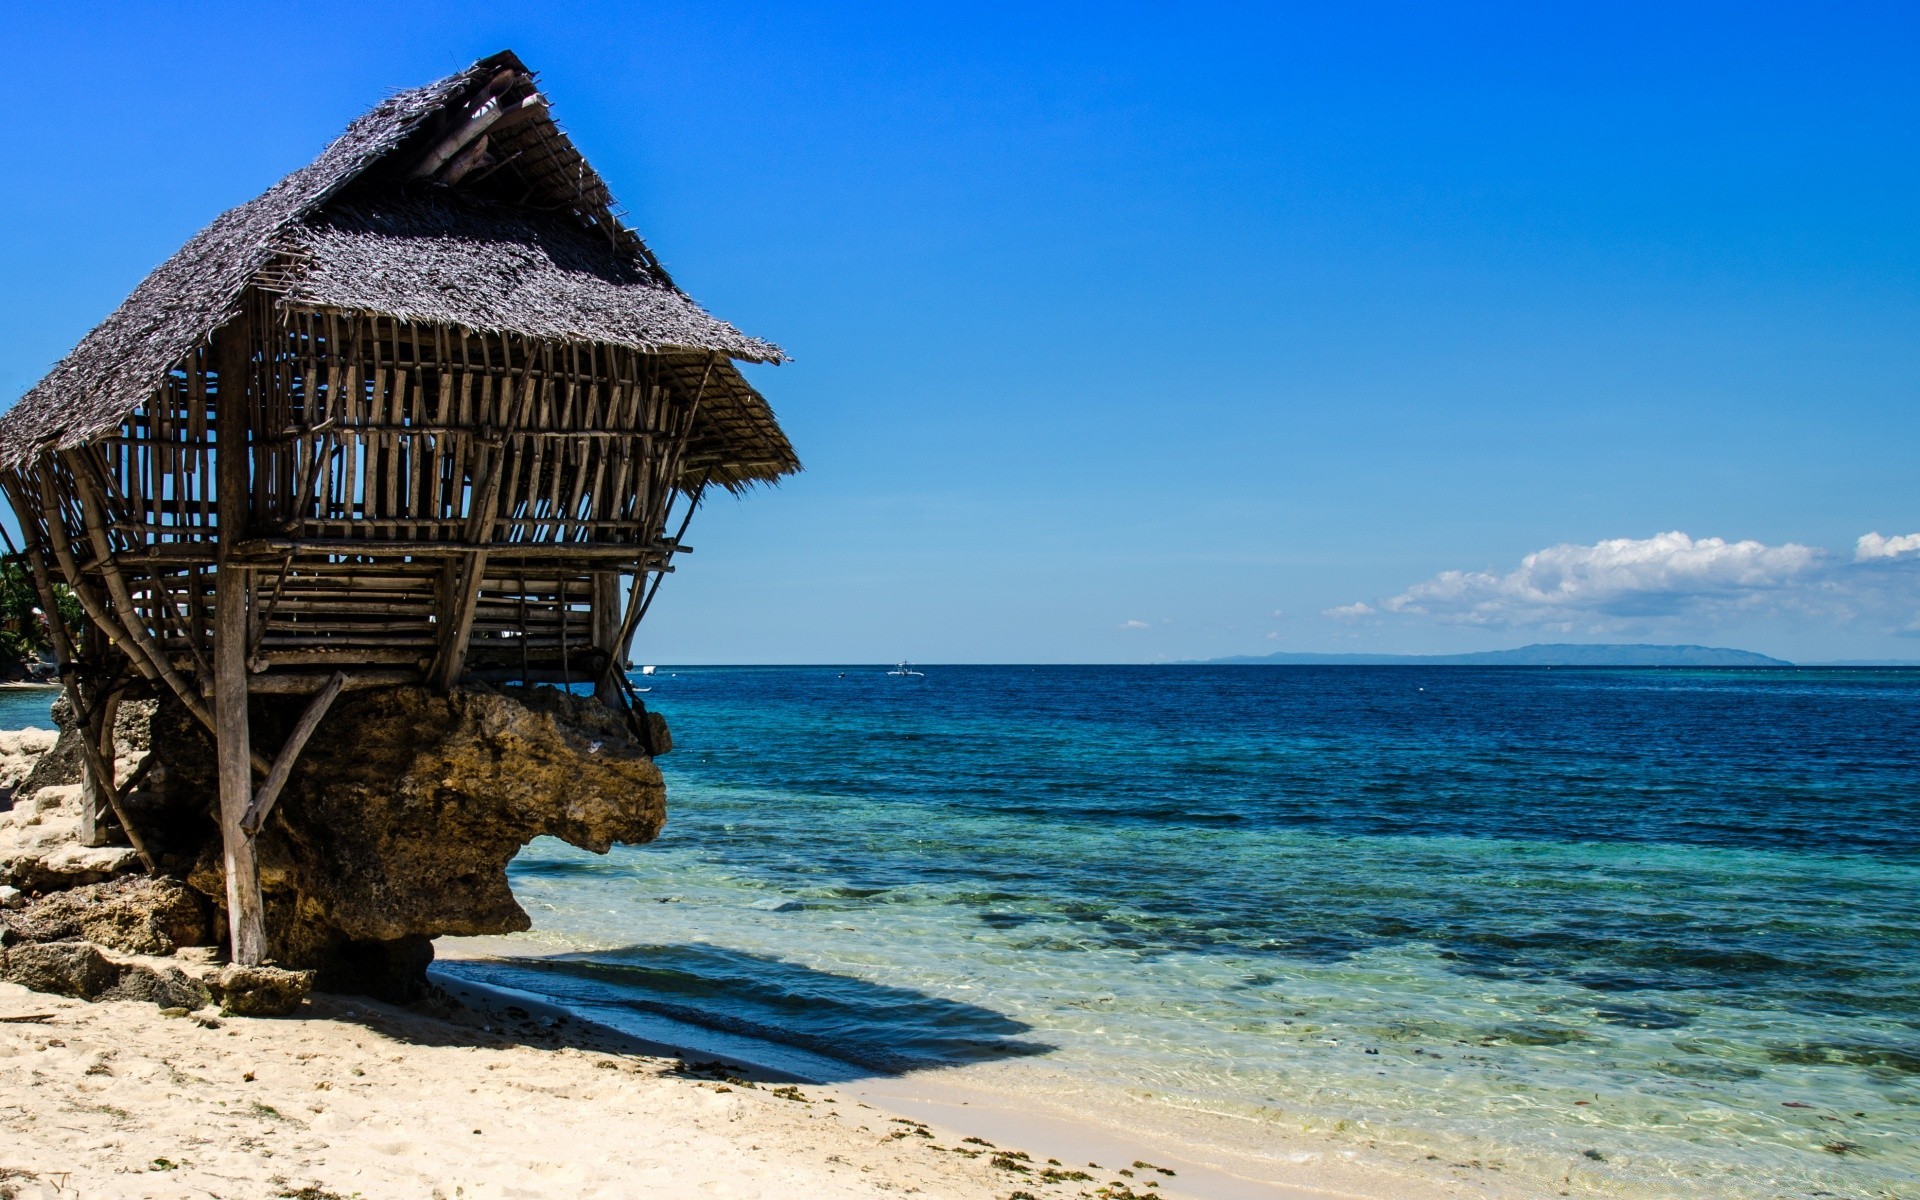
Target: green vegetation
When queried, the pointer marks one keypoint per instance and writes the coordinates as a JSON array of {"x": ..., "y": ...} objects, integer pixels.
[{"x": 23, "y": 628}]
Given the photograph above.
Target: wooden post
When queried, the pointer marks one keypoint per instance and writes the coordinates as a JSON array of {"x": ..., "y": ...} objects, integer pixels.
[
  {"x": 459, "y": 605},
  {"x": 606, "y": 636},
  {"x": 93, "y": 789},
  {"x": 246, "y": 916}
]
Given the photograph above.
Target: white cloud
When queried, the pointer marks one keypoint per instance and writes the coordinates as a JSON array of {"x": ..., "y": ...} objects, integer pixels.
[
  {"x": 1623, "y": 581},
  {"x": 1134, "y": 625},
  {"x": 1872, "y": 546},
  {"x": 1349, "y": 612},
  {"x": 1672, "y": 582}
]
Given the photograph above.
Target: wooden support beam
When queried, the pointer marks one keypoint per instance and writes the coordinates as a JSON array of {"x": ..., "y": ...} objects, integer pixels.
[
  {"x": 269, "y": 551},
  {"x": 96, "y": 784},
  {"x": 246, "y": 910},
  {"x": 304, "y": 683},
  {"x": 263, "y": 800},
  {"x": 63, "y": 654},
  {"x": 606, "y": 635}
]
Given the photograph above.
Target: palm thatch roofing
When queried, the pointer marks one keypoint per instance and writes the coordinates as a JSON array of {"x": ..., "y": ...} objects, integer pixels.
[{"x": 460, "y": 202}]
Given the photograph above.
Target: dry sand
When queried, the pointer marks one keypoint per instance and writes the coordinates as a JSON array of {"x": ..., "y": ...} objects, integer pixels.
[
  {"x": 505, "y": 1098},
  {"x": 118, "y": 1099},
  {"x": 353, "y": 1098}
]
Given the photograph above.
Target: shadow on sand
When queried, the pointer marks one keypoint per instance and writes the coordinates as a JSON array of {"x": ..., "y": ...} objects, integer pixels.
[{"x": 850, "y": 1028}]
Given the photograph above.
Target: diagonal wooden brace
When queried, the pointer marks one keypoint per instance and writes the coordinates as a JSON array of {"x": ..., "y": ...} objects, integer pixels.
[{"x": 256, "y": 814}]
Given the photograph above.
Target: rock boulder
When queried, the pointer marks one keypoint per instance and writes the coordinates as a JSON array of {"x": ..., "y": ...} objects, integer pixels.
[
  {"x": 138, "y": 914},
  {"x": 399, "y": 821}
]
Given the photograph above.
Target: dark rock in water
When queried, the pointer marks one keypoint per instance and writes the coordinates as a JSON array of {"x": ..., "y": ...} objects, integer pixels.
[
  {"x": 81, "y": 970},
  {"x": 399, "y": 821},
  {"x": 137, "y": 914},
  {"x": 260, "y": 991}
]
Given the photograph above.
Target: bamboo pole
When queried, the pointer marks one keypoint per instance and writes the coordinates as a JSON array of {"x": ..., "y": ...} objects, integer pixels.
[
  {"x": 70, "y": 676},
  {"x": 93, "y": 510}
]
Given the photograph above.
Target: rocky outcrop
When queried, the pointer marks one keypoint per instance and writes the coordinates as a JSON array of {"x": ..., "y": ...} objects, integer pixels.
[
  {"x": 139, "y": 914},
  {"x": 398, "y": 823},
  {"x": 396, "y": 827},
  {"x": 83, "y": 970},
  {"x": 20, "y": 751},
  {"x": 40, "y": 846},
  {"x": 259, "y": 991}
]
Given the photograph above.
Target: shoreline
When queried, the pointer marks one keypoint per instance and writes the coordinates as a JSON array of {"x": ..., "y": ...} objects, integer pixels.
[
  {"x": 507, "y": 1095},
  {"x": 958, "y": 1105}
]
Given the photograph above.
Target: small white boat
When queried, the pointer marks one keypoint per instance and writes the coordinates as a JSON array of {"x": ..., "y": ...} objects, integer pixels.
[
  {"x": 648, "y": 669},
  {"x": 905, "y": 670}
]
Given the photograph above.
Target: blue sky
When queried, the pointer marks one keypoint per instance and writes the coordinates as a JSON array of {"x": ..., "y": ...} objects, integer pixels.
[{"x": 1126, "y": 333}]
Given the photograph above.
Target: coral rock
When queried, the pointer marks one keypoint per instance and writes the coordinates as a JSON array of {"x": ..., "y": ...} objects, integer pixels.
[
  {"x": 82, "y": 970},
  {"x": 40, "y": 845},
  {"x": 399, "y": 821},
  {"x": 260, "y": 991},
  {"x": 138, "y": 914}
]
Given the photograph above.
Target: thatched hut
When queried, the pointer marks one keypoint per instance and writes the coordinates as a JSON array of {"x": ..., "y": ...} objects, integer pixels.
[{"x": 423, "y": 411}]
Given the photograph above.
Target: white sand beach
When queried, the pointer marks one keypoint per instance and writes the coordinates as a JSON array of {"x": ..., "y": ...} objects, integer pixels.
[{"x": 496, "y": 1099}]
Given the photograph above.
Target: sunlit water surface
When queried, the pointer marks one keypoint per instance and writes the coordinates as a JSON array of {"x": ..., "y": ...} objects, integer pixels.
[{"x": 1648, "y": 932}]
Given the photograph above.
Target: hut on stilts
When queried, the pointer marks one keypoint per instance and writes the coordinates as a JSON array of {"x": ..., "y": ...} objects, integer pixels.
[{"x": 423, "y": 412}]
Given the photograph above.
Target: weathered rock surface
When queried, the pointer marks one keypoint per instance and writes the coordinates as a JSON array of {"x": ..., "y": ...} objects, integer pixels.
[
  {"x": 40, "y": 846},
  {"x": 139, "y": 914},
  {"x": 54, "y": 758},
  {"x": 259, "y": 991},
  {"x": 83, "y": 970},
  {"x": 398, "y": 823},
  {"x": 396, "y": 827},
  {"x": 20, "y": 751}
]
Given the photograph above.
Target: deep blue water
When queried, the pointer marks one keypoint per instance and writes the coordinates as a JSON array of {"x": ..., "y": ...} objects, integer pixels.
[{"x": 1517, "y": 914}]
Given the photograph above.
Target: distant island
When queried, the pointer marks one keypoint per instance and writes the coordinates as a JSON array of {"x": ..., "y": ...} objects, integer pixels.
[{"x": 1559, "y": 654}]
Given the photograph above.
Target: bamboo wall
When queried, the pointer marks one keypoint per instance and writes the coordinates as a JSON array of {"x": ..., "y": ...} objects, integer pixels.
[{"x": 415, "y": 496}]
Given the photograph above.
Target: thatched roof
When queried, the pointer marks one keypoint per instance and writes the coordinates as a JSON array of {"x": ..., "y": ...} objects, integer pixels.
[{"x": 458, "y": 202}]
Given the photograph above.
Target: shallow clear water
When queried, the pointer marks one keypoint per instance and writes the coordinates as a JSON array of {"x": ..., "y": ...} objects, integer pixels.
[
  {"x": 26, "y": 706},
  {"x": 1498, "y": 916},
  {"x": 1504, "y": 916}
]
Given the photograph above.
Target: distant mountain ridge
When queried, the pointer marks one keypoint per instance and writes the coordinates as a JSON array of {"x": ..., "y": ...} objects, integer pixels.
[{"x": 1559, "y": 654}]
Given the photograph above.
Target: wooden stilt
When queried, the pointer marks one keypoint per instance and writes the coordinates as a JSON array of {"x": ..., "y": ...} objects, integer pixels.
[
  {"x": 97, "y": 787},
  {"x": 464, "y": 599},
  {"x": 606, "y": 633},
  {"x": 246, "y": 916}
]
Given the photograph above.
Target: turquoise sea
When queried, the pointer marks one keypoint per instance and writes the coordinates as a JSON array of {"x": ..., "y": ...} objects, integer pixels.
[
  {"x": 1635, "y": 932},
  {"x": 1620, "y": 932}
]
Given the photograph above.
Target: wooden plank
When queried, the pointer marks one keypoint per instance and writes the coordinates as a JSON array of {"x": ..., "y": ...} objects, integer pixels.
[
  {"x": 606, "y": 631},
  {"x": 303, "y": 684}
]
